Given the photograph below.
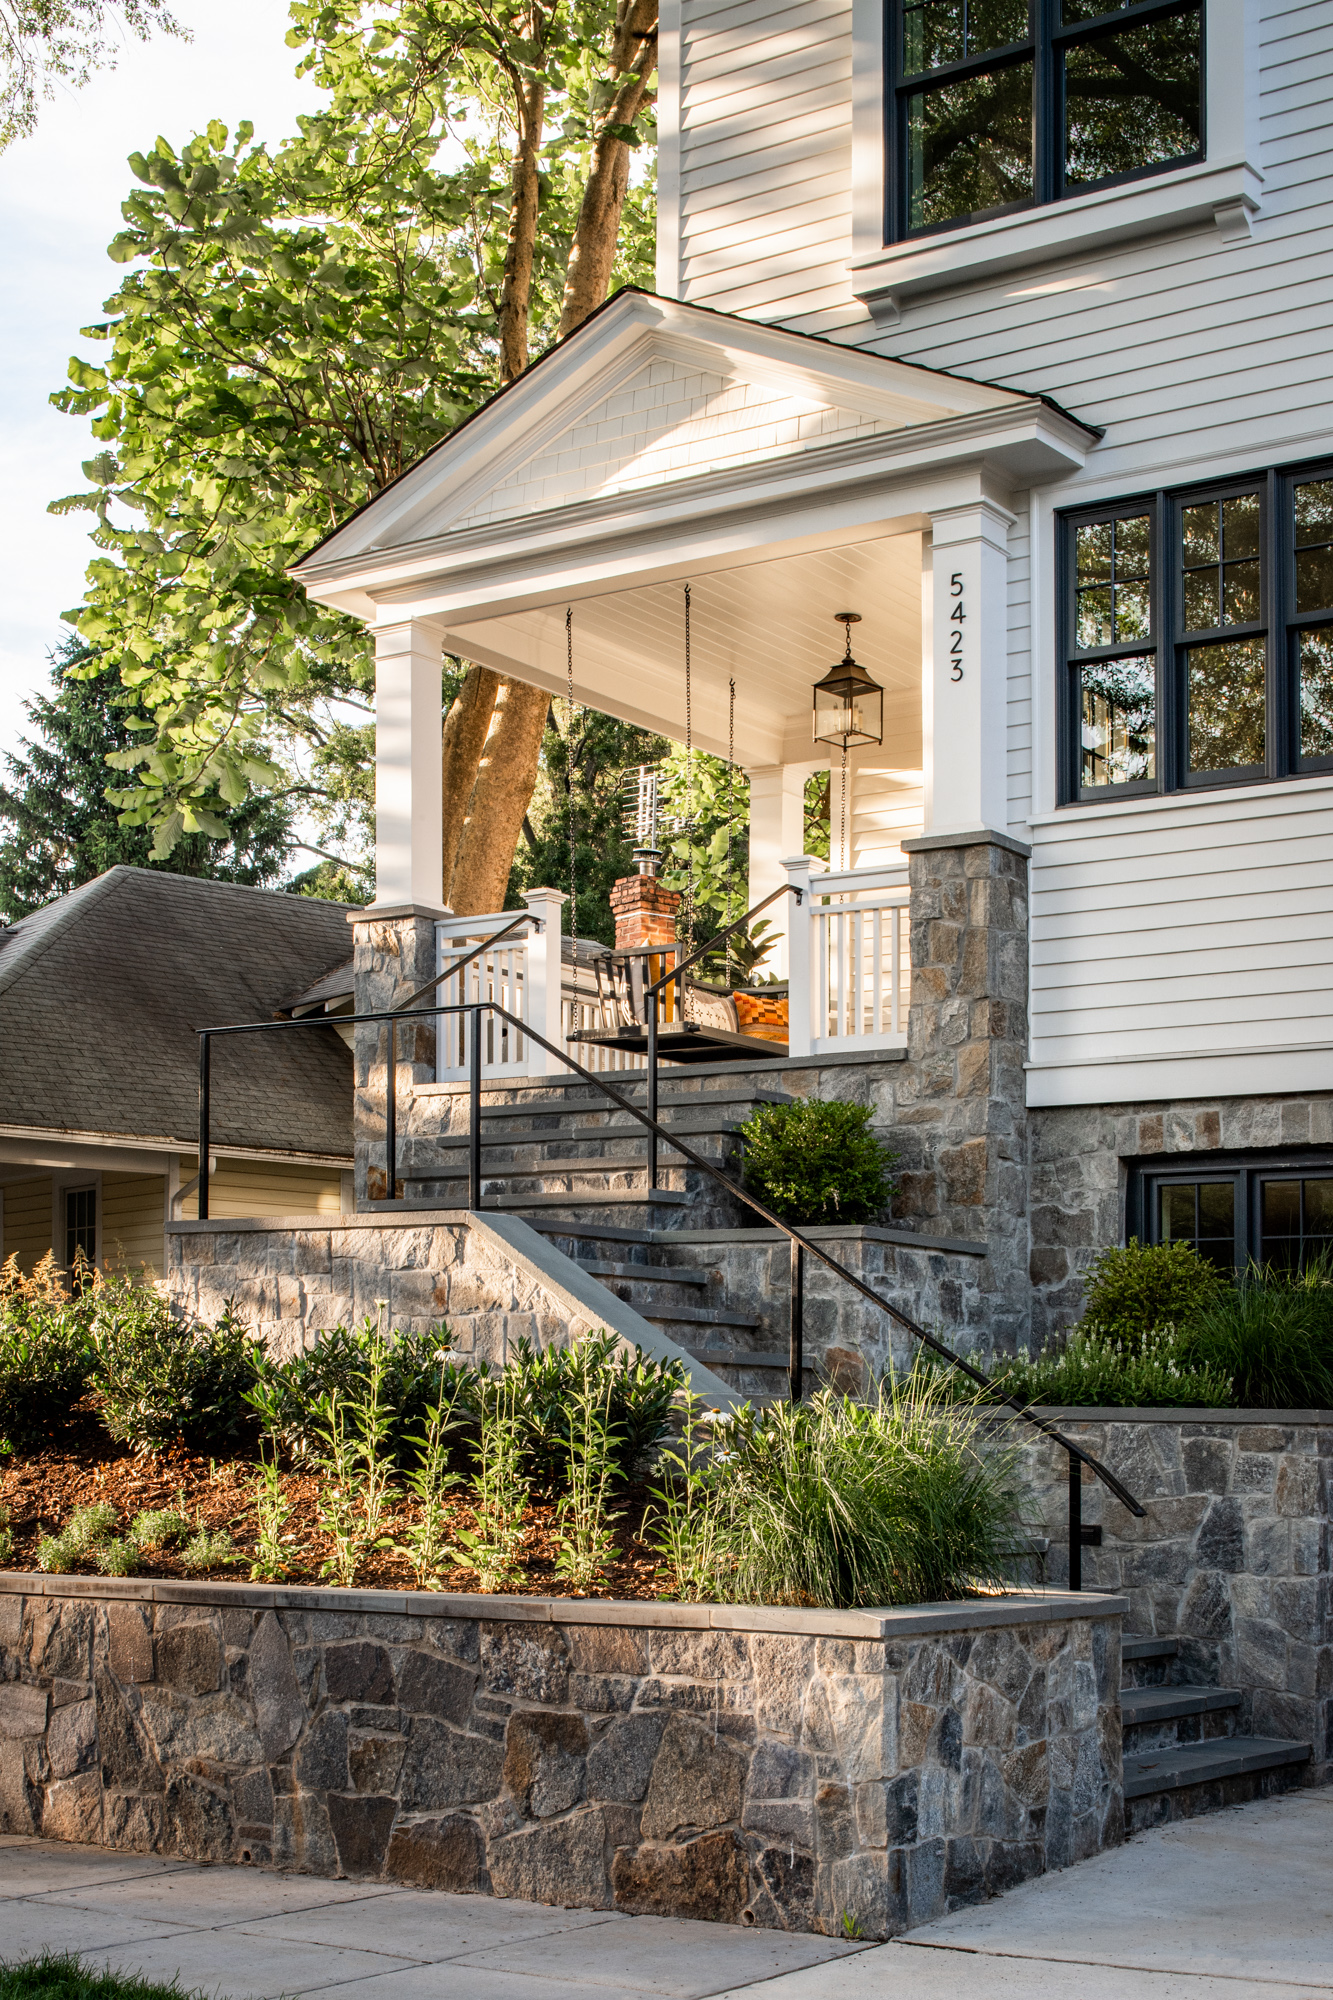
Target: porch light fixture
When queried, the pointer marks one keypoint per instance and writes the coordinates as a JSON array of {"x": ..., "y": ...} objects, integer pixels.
[{"x": 849, "y": 705}]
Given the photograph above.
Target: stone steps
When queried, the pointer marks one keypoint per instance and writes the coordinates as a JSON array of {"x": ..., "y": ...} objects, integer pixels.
[
  {"x": 656, "y": 1273},
  {"x": 1183, "y": 1752},
  {"x": 1185, "y": 1765}
]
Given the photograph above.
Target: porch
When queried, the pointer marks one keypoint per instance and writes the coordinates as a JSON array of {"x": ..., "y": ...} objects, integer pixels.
[{"x": 664, "y": 457}]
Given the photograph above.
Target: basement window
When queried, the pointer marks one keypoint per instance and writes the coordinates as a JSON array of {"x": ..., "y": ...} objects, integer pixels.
[{"x": 1272, "y": 1209}]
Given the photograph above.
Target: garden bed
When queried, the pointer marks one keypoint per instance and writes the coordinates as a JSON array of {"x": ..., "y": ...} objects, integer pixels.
[{"x": 82, "y": 1468}]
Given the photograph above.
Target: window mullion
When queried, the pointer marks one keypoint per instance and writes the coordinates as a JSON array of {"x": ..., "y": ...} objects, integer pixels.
[
  {"x": 1169, "y": 729},
  {"x": 1275, "y": 721},
  {"x": 1047, "y": 110}
]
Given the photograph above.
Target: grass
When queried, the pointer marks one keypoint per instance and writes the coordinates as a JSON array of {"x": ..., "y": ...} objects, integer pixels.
[
  {"x": 63, "y": 1976},
  {"x": 910, "y": 1497}
]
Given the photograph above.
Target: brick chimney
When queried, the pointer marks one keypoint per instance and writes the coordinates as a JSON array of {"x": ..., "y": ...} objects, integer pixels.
[{"x": 644, "y": 911}]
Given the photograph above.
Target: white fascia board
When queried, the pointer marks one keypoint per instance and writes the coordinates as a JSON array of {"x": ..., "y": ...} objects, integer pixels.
[
  {"x": 634, "y": 331},
  {"x": 1301, "y": 1067},
  {"x": 879, "y": 484},
  {"x": 31, "y": 1146}
]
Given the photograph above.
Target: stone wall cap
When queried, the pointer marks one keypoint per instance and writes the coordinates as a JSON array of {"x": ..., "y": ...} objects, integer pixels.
[
  {"x": 977, "y": 836},
  {"x": 1132, "y": 1415},
  {"x": 1017, "y": 1607},
  {"x": 384, "y": 1217},
  {"x": 370, "y": 913},
  {"x": 831, "y": 1232}
]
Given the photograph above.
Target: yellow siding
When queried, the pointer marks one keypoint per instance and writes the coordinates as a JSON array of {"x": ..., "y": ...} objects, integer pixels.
[
  {"x": 133, "y": 1211},
  {"x": 27, "y": 1228},
  {"x": 265, "y": 1187}
]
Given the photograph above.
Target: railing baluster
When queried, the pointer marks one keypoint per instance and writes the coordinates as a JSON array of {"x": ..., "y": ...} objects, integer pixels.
[
  {"x": 474, "y": 1114},
  {"x": 877, "y": 973},
  {"x": 391, "y": 1117}
]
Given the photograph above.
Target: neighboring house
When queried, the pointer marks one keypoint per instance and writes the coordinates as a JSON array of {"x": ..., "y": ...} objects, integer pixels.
[
  {"x": 100, "y": 996},
  {"x": 1014, "y": 341}
]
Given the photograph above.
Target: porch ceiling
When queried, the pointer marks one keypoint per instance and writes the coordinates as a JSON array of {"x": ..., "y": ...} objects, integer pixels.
[{"x": 769, "y": 625}]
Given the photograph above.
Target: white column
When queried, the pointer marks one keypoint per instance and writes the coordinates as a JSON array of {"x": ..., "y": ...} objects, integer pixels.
[
  {"x": 409, "y": 726},
  {"x": 800, "y": 979},
  {"x": 543, "y": 979},
  {"x": 966, "y": 667},
  {"x": 777, "y": 829}
]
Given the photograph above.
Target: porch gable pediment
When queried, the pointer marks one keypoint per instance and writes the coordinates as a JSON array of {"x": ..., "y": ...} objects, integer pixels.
[{"x": 646, "y": 395}]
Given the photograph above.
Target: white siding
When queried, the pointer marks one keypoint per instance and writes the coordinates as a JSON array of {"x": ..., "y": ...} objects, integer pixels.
[
  {"x": 1169, "y": 934},
  {"x": 765, "y": 156}
]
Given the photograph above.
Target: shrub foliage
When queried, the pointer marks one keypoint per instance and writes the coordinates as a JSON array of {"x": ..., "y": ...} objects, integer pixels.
[
  {"x": 157, "y": 1378},
  {"x": 1142, "y": 1287},
  {"x": 817, "y": 1161},
  {"x": 45, "y": 1355}
]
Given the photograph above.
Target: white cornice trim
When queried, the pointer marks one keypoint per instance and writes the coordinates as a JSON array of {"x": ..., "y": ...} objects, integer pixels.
[
  {"x": 632, "y": 331},
  {"x": 1024, "y": 443}
]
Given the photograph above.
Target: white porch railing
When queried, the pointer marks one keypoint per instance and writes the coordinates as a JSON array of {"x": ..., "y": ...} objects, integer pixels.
[
  {"x": 521, "y": 975},
  {"x": 850, "y": 964},
  {"x": 848, "y": 987}
]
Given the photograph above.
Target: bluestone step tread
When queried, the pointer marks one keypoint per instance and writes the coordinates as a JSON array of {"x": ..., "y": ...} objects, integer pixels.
[
  {"x": 697, "y": 1315},
  {"x": 735, "y": 1357},
  {"x": 600, "y": 1198},
  {"x": 1181, "y": 1764},
  {"x": 535, "y": 1136},
  {"x": 667, "y": 1274},
  {"x": 562, "y": 1164},
  {"x": 1149, "y": 1649},
  {"x": 1167, "y": 1704}
]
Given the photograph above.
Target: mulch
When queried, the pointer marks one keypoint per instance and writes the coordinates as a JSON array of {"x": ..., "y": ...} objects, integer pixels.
[{"x": 82, "y": 1465}]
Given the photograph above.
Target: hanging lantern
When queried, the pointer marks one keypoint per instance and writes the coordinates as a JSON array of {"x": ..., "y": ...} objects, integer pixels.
[{"x": 849, "y": 705}]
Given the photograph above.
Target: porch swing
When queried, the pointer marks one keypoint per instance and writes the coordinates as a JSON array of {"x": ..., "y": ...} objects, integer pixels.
[{"x": 662, "y": 1012}]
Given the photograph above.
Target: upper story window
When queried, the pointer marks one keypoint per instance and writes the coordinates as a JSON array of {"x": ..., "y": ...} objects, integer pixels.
[
  {"x": 1198, "y": 645},
  {"x": 999, "y": 105}
]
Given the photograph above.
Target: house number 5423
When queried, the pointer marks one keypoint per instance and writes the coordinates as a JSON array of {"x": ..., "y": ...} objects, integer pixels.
[{"x": 956, "y": 617}]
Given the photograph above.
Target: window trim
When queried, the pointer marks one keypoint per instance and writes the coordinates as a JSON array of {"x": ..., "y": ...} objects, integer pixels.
[
  {"x": 1043, "y": 47},
  {"x": 1247, "y": 1169},
  {"x": 1278, "y": 624},
  {"x": 1224, "y": 193}
]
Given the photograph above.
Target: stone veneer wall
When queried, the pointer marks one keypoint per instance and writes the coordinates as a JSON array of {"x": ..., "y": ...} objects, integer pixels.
[
  {"x": 1081, "y": 1156},
  {"x": 1233, "y": 1556},
  {"x": 748, "y": 1766}
]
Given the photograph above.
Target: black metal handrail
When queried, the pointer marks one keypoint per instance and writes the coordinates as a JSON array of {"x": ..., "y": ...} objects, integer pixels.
[
  {"x": 800, "y": 1245},
  {"x": 651, "y": 1009},
  {"x": 678, "y": 971}
]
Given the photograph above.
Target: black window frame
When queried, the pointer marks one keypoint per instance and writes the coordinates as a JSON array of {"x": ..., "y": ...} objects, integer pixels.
[
  {"x": 1044, "y": 47},
  {"x": 1279, "y": 626},
  {"x": 1248, "y": 1170}
]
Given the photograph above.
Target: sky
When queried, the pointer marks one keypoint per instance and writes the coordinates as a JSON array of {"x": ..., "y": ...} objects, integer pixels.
[{"x": 60, "y": 196}]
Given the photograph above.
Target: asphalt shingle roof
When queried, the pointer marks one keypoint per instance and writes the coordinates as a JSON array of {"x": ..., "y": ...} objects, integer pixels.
[{"x": 101, "y": 993}]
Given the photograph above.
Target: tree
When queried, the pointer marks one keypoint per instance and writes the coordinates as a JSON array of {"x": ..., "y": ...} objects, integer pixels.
[
  {"x": 299, "y": 329},
  {"x": 42, "y": 40},
  {"x": 59, "y": 831},
  {"x": 580, "y": 785}
]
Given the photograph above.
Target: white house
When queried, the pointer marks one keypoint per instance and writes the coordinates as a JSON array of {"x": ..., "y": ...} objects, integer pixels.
[{"x": 1008, "y": 331}]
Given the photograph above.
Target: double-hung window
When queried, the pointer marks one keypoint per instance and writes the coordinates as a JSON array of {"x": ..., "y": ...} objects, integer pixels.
[
  {"x": 999, "y": 105},
  {"x": 1198, "y": 637}
]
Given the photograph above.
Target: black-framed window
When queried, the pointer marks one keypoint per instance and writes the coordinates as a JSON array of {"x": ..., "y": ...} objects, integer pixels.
[
  {"x": 80, "y": 1225},
  {"x": 1267, "y": 1208},
  {"x": 1197, "y": 636},
  {"x": 997, "y": 105}
]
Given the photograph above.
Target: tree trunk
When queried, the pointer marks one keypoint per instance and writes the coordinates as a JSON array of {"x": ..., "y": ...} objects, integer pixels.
[
  {"x": 465, "y": 729},
  {"x": 524, "y": 191},
  {"x": 500, "y": 797},
  {"x": 592, "y": 254}
]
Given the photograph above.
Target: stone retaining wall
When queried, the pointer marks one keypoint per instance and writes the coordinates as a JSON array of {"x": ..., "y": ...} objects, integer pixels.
[
  {"x": 780, "y": 1768},
  {"x": 1233, "y": 1556}
]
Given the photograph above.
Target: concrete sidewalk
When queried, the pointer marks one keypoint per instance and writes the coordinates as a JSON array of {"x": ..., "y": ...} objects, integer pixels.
[{"x": 1240, "y": 1903}]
